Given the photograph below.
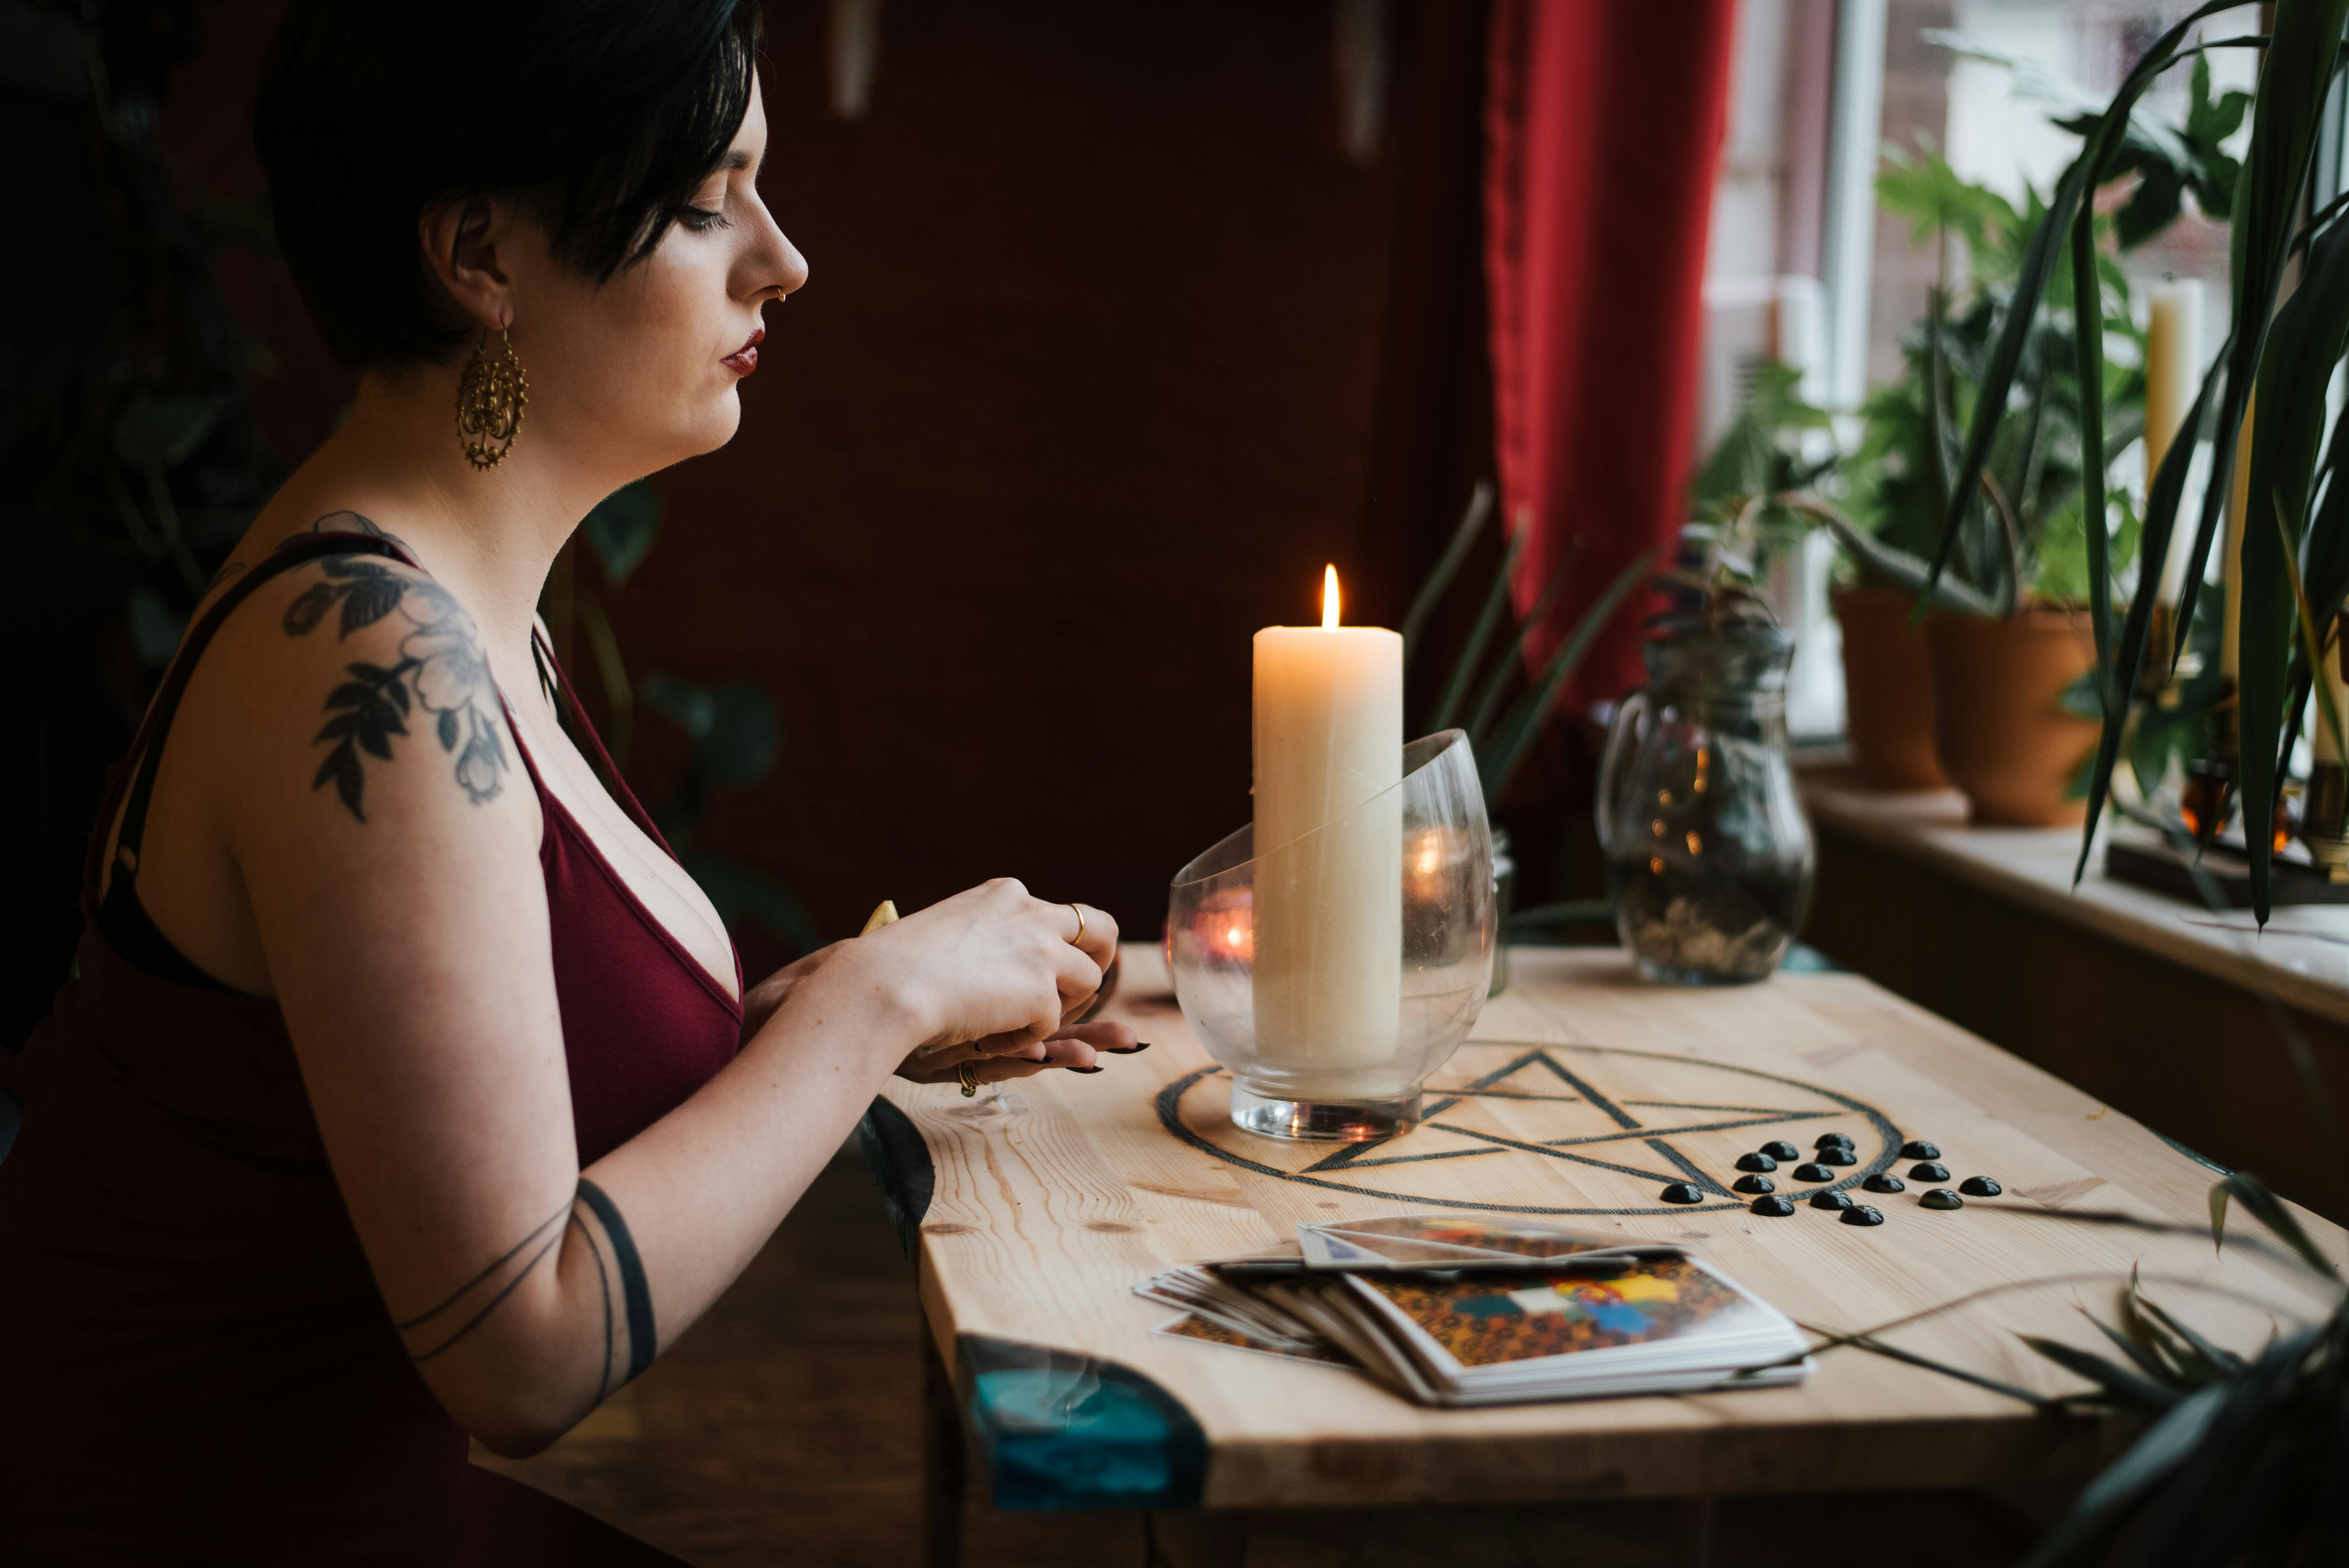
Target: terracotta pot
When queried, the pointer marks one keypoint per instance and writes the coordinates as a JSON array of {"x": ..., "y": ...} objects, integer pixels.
[
  {"x": 2001, "y": 737},
  {"x": 1887, "y": 680}
]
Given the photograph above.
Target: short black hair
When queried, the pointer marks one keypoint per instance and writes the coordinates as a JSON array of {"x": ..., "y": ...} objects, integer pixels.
[{"x": 602, "y": 116}]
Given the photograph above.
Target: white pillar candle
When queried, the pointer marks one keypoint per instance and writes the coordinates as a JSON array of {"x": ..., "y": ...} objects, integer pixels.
[
  {"x": 2231, "y": 554},
  {"x": 2173, "y": 365},
  {"x": 1328, "y": 845}
]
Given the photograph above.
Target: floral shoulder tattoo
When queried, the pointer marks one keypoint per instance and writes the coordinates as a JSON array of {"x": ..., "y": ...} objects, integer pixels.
[{"x": 440, "y": 672}]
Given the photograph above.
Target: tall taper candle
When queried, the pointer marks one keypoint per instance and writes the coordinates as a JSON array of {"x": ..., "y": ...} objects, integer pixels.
[
  {"x": 2173, "y": 364},
  {"x": 2334, "y": 690},
  {"x": 1329, "y": 844},
  {"x": 2231, "y": 554}
]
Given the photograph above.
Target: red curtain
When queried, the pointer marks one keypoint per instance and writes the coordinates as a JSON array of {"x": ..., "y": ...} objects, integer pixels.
[{"x": 1603, "y": 128}]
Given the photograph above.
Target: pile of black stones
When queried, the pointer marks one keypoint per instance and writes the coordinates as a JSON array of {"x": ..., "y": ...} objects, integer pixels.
[{"x": 1829, "y": 1152}]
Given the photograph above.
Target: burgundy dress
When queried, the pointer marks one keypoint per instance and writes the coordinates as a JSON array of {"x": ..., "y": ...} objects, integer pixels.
[{"x": 195, "y": 1365}]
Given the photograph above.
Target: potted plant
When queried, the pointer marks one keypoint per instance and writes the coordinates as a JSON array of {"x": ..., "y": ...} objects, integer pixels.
[
  {"x": 2243, "y": 1460},
  {"x": 2009, "y": 632},
  {"x": 1488, "y": 691}
]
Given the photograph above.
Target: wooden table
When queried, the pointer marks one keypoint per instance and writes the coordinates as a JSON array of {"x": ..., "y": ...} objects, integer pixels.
[
  {"x": 1588, "y": 1090},
  {"x": 2171, "y": 1012}
]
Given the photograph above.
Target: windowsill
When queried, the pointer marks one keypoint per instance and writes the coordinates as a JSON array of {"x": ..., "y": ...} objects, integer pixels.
[{"x": 2301, "y": 959}]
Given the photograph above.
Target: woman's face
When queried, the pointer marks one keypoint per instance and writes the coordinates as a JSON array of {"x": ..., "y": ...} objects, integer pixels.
[{"x": 641, "y": 373}]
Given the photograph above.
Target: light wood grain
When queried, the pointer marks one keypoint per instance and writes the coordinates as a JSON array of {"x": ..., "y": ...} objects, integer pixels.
[{"x": 1042, "y": 1222}]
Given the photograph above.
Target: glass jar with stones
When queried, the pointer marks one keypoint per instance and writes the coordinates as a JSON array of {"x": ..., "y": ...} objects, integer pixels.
[{"x": 1709, "y": 858}]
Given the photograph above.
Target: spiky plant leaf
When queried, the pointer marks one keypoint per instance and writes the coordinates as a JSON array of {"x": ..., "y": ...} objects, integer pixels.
[
  {"x": 1447, "y": 566},
  {"x": 2117, "y": 1385}
]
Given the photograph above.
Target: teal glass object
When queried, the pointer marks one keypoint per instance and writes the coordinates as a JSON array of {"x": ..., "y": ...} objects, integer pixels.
[{"x": 1063, "y": 1430}]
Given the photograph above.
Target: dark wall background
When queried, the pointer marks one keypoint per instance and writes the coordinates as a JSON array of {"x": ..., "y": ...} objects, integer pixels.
[
  {"x": 1081, "y": 393},
  {"x": 1108, "y": 348}
]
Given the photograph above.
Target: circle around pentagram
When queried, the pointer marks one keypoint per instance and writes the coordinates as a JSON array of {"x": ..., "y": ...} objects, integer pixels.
[{"x": 1170, "y": 1104}]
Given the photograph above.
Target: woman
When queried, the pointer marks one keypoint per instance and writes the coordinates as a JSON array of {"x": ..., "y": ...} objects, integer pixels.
[{"x": 407, "y": 1090}]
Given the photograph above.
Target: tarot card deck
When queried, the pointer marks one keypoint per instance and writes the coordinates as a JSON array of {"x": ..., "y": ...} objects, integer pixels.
[{"x": 1461, "y": 1311}]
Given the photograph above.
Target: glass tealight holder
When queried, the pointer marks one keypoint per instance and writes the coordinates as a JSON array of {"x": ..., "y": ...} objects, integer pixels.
[{"x": 1332, "y": 975}]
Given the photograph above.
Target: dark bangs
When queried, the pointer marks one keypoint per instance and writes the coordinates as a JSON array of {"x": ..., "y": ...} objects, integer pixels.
[{"x": 602, "y": 116}]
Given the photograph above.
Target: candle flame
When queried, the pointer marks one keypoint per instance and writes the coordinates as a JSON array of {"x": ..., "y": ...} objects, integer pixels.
[{"x": 1329, "y": 598}]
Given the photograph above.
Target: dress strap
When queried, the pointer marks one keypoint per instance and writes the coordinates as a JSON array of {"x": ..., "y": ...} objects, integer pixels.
[
  {"x": 147, "y": 745},
  {"x": 556, "y": 682}
]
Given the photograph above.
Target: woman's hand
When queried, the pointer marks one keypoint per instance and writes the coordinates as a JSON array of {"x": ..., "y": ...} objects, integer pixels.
[
  {"x": 989, "y": 973},
  {"x": 1077, "y": 1049}
]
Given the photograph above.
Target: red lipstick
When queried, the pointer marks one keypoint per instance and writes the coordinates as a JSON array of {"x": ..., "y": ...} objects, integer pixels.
[{"x": 745, "y": 360}]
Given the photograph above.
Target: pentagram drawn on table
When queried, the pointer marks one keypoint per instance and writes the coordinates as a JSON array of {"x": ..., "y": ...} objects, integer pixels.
[{"x": 1626, "y": 1113}]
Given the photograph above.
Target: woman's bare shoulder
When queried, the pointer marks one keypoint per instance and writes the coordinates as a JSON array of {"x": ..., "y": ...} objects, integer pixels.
[{"x": 378, "y": 663}]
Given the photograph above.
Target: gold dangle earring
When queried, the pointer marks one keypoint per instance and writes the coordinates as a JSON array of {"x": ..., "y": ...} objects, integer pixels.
[{"x": 491, "y": 397}]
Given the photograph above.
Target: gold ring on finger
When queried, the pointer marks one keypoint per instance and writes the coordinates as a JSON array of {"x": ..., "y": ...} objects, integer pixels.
[
  {"x": 1080, "y": 937},
  {"x": 967, "y": 1075}
]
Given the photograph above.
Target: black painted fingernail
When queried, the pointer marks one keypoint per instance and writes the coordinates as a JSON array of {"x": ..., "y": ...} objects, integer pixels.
[
  {"x": 1084, "y": 1070},
  {"x": 1127, "y": 1050}
]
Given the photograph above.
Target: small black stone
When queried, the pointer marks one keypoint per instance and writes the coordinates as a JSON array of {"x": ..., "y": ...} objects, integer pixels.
[
  {"x": 1782, "y": 1149},
  {"x": 1681, "y": 1193},
  {"x": 1772, "y": 1208},
  {"x": 1863, "y": 1215},
  {"x": 1812, "y": 1174},
  {"x": 1928, "y": 1172},
  {"x": 1941, "y": 1198},
  {"x": 1826, "y": 1139},
  {"x": 1756, "y": 1163},
  {"x": 1918, "y": 1149},
  {"x": 1837, "y": 1154},
  {"x": 1830, "y": 1199},
  {"x": 1885, "y": 1181},
  {"x": 1979, "y": 1187},
  {"x": 1754, "y": 1184}
]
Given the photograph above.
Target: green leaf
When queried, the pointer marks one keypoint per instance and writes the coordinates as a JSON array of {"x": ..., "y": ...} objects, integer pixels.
[
  {"x": 622, "y": 528},
  {"x": 1505, "y": 670},
  {"x": 2155, "y": 1370},
  {"x": 1472, "y": 653},
  {"x": 2270, "y": 1210},
  {"x": 691, "y": 707},
  {"x": 1897, "y": 566},
  {"x": 2160, "y": 521},
  {"x": 2032, "y": 276},
  {"x": 2217, "y": 1361},
  {"x": 155, "y": 627},
  {"x": 1447, "y": 566},
  {"x": 1934, "y": 198},
  {"x": 163, "y": 429},
  {"x": 2119, "y": 1385},
  {"x": 2106, "y": 1502},
  {"x": 2293, "y": 83},
  {"x": 744, "y": 736},
  {"x": 2088, "y": 329},
  {"x": 45, "y": 50},
  {"x": 1515, "y": 743},
  {"x": 2328, "y": 716}
]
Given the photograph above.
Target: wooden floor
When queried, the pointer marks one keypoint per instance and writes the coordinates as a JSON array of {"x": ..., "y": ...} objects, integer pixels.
[{"x": 784, "y": 1428}]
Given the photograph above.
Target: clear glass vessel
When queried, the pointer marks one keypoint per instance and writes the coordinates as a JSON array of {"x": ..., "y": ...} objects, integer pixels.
[
  {"x": 1330, "y": 1014},
  {"x": 1709, "y": 857}
]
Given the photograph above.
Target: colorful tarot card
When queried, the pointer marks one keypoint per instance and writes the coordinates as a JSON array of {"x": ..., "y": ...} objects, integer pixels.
[
  {"x": 1190, "y": 1326},
  {"x": 1485, "y": 1322},
  {"x": 1448, "y": 1240}
]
